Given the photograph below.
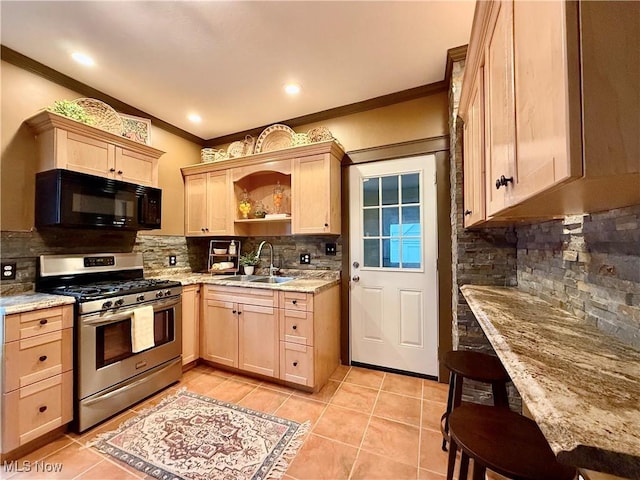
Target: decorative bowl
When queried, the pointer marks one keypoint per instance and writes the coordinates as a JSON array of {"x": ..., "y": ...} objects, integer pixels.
[{"x": 220, "y": 251}]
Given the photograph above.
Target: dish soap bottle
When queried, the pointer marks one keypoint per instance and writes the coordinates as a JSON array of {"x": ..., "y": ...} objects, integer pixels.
[{"x": 232, "y": 248}]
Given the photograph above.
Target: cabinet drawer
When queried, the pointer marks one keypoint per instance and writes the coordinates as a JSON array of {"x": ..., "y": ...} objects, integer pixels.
[
  {"x": 36, "y": 409},
  {"x": 248, "y": 296},
  {"x": 37, "y": 358},
  {"x": 296, "y": 301},
  {"x": 296, "y": 327},
  {"x": 296, "y": 363},
  {"x": 37, "y": 322}
]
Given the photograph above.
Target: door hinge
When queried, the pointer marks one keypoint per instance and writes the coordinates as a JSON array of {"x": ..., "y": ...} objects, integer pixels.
[{"x": 435, "y": 178}]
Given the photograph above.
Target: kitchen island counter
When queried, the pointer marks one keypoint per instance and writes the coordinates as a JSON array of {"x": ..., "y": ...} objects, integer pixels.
[{"x": 581, "y": 386}]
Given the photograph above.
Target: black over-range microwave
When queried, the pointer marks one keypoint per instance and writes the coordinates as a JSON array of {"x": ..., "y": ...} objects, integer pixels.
[{"x": 65, "y": 198}]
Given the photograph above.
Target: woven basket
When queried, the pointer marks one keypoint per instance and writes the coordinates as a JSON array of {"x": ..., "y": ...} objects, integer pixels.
[
  {"x": 105, "y": 117},
  {"x": 319, "y": 134}
]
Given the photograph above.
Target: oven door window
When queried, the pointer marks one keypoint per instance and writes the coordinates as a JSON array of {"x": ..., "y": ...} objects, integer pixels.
[{"x": 113, "y": 341}]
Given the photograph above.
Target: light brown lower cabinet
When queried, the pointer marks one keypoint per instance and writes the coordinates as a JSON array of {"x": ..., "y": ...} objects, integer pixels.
[
  {"x": 291, "y": 336},
  {"x": 37, "y": 388},
  {"x": 190, "y": 323}
]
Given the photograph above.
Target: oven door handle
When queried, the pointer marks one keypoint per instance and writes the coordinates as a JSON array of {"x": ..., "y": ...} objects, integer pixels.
[{"x": 123, "y": 315}]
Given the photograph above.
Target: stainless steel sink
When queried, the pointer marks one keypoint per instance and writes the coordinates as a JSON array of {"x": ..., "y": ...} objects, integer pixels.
[
  {"x": 244, "y": 278},
  {"x": 272, "y": 280}
]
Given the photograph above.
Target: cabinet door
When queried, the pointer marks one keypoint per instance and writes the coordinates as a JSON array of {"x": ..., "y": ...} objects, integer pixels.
[
  {"x": 258, "y": 351},
  {"x": 195, "y": 202},
  {"x": 219, "y": 333},
  {"x": 474, "y": 197},
  {"x": 316, "y": 195},
  {"x": 135, "y": 167},
  {"x": 543, "y": 104},
  {"x": 499, "y": 107},
  {"x": 190, "y": 323},
  {"x": 219, "y": 219},
  {"x": 84, "y": 154}
]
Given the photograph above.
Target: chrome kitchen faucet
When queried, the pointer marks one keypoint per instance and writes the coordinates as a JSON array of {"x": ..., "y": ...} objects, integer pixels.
[{"x": 272, "y": 269}]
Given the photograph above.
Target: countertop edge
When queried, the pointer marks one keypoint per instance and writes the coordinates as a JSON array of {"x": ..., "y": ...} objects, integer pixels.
[
  {"x": 552, "y": 417},
  {"x": 32, "y": 301}
]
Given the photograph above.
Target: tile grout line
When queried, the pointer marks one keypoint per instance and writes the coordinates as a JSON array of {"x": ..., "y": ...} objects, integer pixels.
[{"x": 364, "y": 434}]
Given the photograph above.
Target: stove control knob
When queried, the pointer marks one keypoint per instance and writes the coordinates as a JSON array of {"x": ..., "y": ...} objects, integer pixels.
[
  {"x": 119, "y": 302},
  {"x": 107, "y": 304},
  {"x": 167, "y": 293},
  {"x": 159, "y": 294},
  {"x": 140, "y": 298}
]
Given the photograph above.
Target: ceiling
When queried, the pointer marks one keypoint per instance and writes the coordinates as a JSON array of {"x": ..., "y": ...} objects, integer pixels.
[{"x": 229, "y": 61}]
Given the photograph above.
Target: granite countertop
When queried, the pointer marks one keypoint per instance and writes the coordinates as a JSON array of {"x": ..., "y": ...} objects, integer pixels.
[
  {"x": 581, "y": 386},
  {"x": 32, "y": 301},
  {"x": 311, "y": 284}
]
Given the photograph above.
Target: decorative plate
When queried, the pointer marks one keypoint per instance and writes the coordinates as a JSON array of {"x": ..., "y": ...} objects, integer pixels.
[
  {"x": 319, "y": 134},
  {"x": 235, "y": 149},
  {"x": 105, "y": 117},
  {"x": 275, "y": 137}
]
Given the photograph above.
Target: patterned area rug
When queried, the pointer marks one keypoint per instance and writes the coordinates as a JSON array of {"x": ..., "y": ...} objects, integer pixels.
[{"x": 190, "y": 436}]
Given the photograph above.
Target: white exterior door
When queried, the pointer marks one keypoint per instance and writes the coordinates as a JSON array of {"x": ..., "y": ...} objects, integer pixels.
[{"x": 393, "y": 276}]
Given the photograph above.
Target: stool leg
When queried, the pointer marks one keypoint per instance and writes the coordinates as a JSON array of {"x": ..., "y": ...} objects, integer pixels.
[
  {"x": 479, "y": 471},
  {"x": 464, "y": 466},
  {"x": 451, "y": 463},
  {"x": 500, "y": 396},
  {"x": 445, "y": 432}
]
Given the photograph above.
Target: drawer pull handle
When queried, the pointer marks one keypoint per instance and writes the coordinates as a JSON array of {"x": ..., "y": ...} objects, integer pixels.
[
  {"x": 43, "y": 409},
  {"x": 295, "y": 302},
  {"x": 44, "y": 321},
  {"x": 295, "y": 327},
  {"x": 42, "y": 358},
  {"x": 295, "y": 364}
]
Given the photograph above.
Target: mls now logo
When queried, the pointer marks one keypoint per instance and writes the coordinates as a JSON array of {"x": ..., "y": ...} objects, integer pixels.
[{"x": 29, "y": 466}]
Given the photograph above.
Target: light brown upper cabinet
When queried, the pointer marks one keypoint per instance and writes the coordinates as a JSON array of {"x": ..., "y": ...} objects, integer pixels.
[
  {"x": 65, "y": 143},
  {"x": 207, "y": 203},
  {"x": 308, "y": 176},
  {"x": 474, "y": 196},
  {"x": 316, "y": 194},
  {"x": 560, "y": 104}
]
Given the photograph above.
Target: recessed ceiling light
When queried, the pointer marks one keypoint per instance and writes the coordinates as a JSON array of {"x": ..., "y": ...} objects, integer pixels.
[
  {"x": 83, "y": 59},
  {"x": 195, "y": 118},
  {"x": 292, "y": 89}
]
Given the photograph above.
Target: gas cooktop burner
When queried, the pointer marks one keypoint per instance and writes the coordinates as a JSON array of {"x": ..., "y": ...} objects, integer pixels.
[{"x": 107, "y": 289}]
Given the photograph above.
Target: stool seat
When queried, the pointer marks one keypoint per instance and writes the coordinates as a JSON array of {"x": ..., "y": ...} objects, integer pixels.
[
  {"x": 477, "y": 366},
  {"x": 505, "y": 442}
]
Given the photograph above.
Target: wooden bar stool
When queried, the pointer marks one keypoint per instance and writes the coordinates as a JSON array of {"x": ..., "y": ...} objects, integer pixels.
[
  {"x": 503, "y": 441},
  {"x": 478, "y": 366}
]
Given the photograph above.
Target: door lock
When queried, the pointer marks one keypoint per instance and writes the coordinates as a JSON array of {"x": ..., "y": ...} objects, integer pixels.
[
  {"x": 356, "y": 265},
  {"x": 355, "y": 278}
]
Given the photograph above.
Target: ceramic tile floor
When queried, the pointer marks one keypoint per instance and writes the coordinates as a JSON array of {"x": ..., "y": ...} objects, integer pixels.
[{"x": 366, "y": 424}]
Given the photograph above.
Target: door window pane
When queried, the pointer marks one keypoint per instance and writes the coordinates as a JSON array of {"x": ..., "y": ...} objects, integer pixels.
[
  {"x": 371, "y": 253},
  {"x": 411, "y": 188},
  {"x": 390, "y": 253},
  {"x": 410, "y": 221},
  {"x": 390, "y": 219},
  {"x": 411, "y": 249},
  {"x": 371, "y": 222},
  {"x": 390, "y": 190},
  {"x": 370, "y": 192}
]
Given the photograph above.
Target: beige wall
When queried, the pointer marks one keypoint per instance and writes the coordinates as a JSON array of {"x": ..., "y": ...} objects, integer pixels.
[
  {"x": 424, "y": 117},
  {"x": 22, "y": 95}
]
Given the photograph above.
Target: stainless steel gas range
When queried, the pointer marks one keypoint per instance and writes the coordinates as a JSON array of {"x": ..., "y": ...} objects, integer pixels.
[{"x": 111, "y": 370}]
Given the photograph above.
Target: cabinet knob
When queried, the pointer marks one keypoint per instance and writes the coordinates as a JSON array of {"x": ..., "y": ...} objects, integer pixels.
[
  {"x": 43, "y": 409},
  {"x": 202, "y": 229},
  {"x": 112, "y": 170},
  {"x": 326, "y": 224},
  {"x": 120, "y": 172},
  {"x": 467, "y": 212},
  {"x": 239, "y": 312},
  {"x": 234, "y": 311},
  {"x": 295, "y": 302},
  {"x": 295, "y": 364},
  {"x": 206, "y": 229},
  {"x": 42, "y": 358},
  {"x": 503, "y": 181},
  {"x": 44, "y": 321},
  {"x": 295, "y": 327}
]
